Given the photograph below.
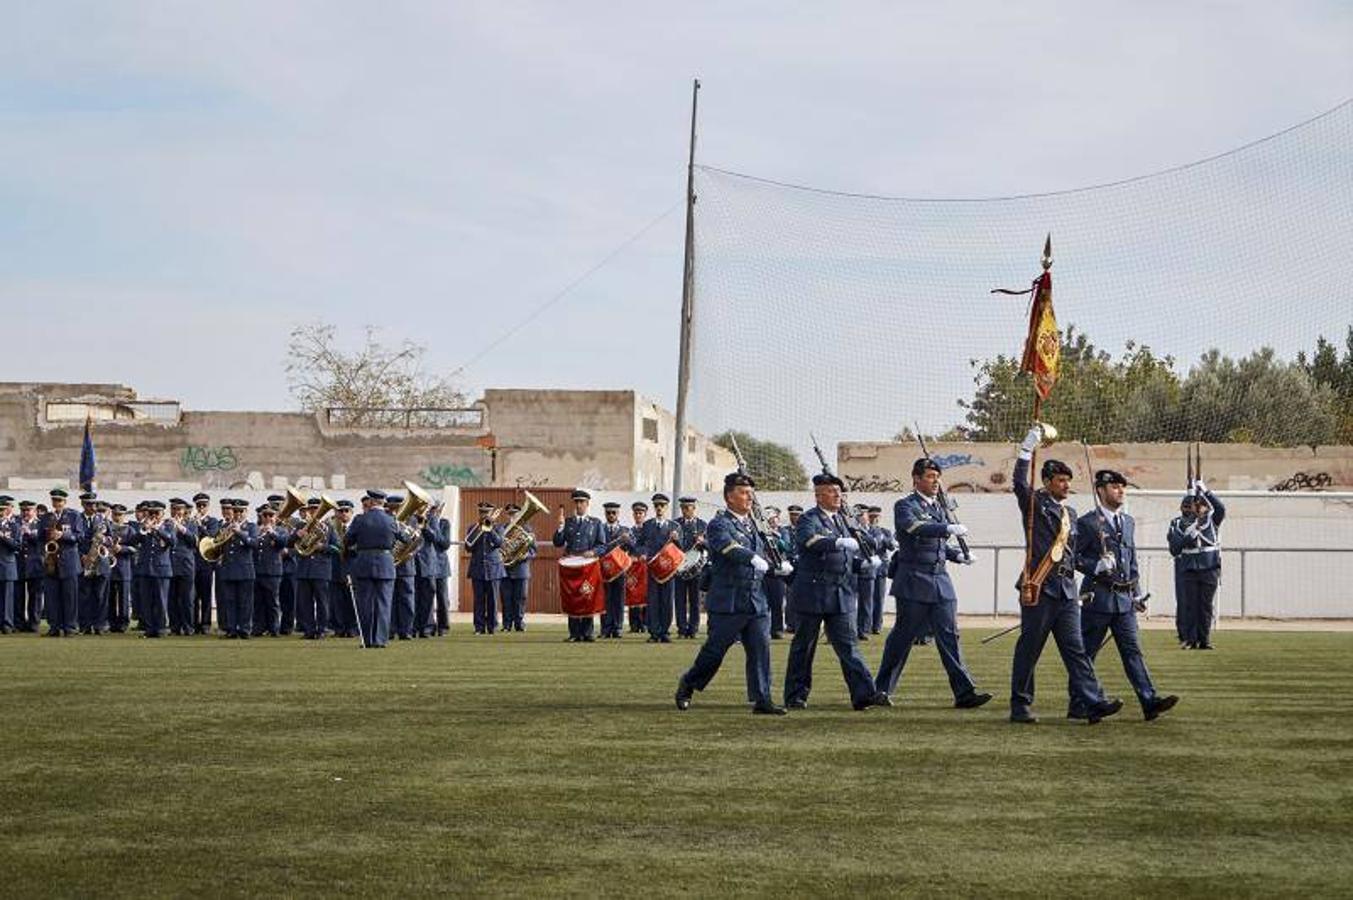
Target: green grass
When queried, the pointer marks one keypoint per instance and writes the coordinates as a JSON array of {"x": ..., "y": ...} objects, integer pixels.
[{"x": 519, "y": 764}]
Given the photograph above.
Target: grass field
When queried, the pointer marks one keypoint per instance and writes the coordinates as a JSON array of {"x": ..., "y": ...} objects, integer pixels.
[{"x": 520, "y": 764}]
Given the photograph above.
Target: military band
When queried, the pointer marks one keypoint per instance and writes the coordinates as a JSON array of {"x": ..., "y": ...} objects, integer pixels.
[{"x": 580, "y": 535}]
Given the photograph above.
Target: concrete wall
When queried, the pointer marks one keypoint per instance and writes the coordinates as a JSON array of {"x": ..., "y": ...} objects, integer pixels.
[{"x": 986, "y": 467}]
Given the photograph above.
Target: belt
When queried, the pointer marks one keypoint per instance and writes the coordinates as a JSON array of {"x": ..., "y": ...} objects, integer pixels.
[{"x": 373, "y": 550}]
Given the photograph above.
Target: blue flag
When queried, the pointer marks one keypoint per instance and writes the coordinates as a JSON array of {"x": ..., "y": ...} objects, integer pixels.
[{"x": 87, "y": 467}]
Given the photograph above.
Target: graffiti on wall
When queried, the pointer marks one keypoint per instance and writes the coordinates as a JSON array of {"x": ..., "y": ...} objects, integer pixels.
[
  {"x": 440, "y": 475},
  {"x": 531, "y": 481},
  {"x": 201, "y": 458},
  {"x": 950, "y": 460},
  {"x": 1301, "y": 481}
]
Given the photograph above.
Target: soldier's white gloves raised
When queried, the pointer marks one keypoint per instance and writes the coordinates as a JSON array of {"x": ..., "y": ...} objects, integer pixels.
[
  {"x": 966, "y": 560},
  {"x": 786, "y": 568},
  {"x": 1200, "y": 486},
  {"x": 1026, "y": 449},
  {"x": 760, "y": 565},
  {"x": 847, "y": 544},
  {"x": 1105, "y": 564},
  {"x": 1191, "y": 531},
  {"x": 958, "y": 530}
]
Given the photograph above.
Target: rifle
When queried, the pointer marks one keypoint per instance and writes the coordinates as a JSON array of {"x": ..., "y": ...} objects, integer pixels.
[
  {"x": 853, "y": 525},
  {"x": 768, "y": 536},
  {"x": 949, "y": 517}
]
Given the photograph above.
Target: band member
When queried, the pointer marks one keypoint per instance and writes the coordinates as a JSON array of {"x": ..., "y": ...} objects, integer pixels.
[
  {"x": 286, "y": 585},
  {"x": 691, "y": 535},
  {"x": 887, "y": 545},
  {"x": 94, "y": 567},
  {"x": 235, "y": 572},
  {"x": 442, "y": 530},
  {"x": 140, "y": 566},
  {"x": 28, "y": 606},
  {"x": 370, "y": 542},
  {"x": 1055, "y": 606},
  {"x": 11, "y": 542},
  {"x": 925, "y": 594},
  {"x": 776, "y": 583},
  {"x": 268, "y": 566},
  {"x": 183, "y": 557},
  {"x": 120, "y": 576},
  {"x": 313, "y": 573},
  {"x": 402, "y": 600},
  {"x": 581, "y": 535},
  {"x": 657, "y": 532},
  {"x": 425, "y": 574},
  {"x": 157, "y": 538},
  {"x": 865, "y": 572},
  {"x": 824, "y": 595},
  {"x": 736, "y": 601},
  {"x": 61, "y": 532},
  {"x": 638, "y": 615},
  {"x": 795, "y": 512},
  {"x": 203, "y": 572},
  {"x": 342, "y": 606},
  {"x": 225, "y": 612},
  {"x": 1106, "y": 554},
  {"x": 516, "y": 585},
  {"x": 1193, "y": 541},
  {"x": 484, "y": 542},
  {"x": 615, "y": 535}
]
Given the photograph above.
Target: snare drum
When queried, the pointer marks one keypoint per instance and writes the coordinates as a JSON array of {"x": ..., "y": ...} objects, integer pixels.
[
  {"x": 580, "y": 591},
  {"x": 665, "y": 562},
  {"x": 614, "y": 564},
  {"x": 692, "y": 564}
]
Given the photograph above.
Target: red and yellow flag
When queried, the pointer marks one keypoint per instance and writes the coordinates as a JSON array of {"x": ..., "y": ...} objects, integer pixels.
[{"x": 1043, "y": 346}]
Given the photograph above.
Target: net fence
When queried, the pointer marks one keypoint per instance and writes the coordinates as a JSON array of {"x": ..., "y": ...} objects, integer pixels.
[{"x": 855, "y": 316}]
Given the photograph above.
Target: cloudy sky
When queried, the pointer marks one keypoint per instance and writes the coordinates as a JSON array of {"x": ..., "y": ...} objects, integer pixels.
[{"x": 182, "y": 183}]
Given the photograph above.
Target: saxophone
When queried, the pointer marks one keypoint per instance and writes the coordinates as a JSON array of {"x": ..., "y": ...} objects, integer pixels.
[{"x": 98, "y": 549}]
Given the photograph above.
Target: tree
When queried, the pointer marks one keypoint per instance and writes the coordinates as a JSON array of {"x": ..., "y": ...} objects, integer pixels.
[
  {"x": 774, "y": 467},
  {"x": 1258, "y": 399},
  {"x": 1328, "y": 370},
  {"x": 377, "y": 385}
]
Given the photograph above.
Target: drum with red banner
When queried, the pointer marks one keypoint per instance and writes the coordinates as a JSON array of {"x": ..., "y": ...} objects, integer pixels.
[
  {"x": 614, "y": 563},
  {"x": 665, "y": 562},
  {"x": 636, "y": 586},
  {"x": 580, "y": 591}
]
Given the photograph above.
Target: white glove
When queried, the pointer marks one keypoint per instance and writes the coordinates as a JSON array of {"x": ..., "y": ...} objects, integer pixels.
[
  {"x": 847, "y": 544},
  {"x": 875, "y": 563},
  {"x": 1191, "y": 531},
  {"x": 786, "y": 568},
  {"x": 1105, "y": 564},
  {"x": 965, "y": 560},
  {"x": 760, "y": 565},
  {"x": 1031, "y": 440},
  {"x": 1200, "y": 486},
  {"x": 958, "y": 530}
]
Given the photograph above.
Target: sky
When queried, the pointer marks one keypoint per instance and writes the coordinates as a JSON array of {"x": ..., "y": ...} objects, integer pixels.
[{"x": 183, "y": 183}]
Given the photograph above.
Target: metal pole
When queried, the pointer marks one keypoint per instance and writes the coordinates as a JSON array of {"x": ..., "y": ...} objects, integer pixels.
[{"x": 687, "y": 306}]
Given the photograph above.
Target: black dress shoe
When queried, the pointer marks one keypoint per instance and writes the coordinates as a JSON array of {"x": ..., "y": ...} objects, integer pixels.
[
  {"x": 1202, "y": 646},
  {"x": 664, "y": 640},
  {"x": 1104, "y": 710},
  {"x": 1023, "y": 717},
  {"x": 972, "y": 701},
  {"x": 1076, "y": 714},
  {"x": 588, "y": 639},
  {"x": 878, "y": 698},
  {"x": 1161, "y": 705},
  {"x": 652, "y": 639},
  {"x": 683, "y": 694},
  {"x": 769, "y": 709},
  {"x": 796, "y": 703}
]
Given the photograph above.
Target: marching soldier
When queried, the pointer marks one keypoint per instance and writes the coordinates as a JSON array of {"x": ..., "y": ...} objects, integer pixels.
[
  {"x": 341, "y": 603},
  {"x": 484, "y": 542},
  {"x": 203, "y": 572},
  {"x": 824, "y": 595},
  {"x": 1193, "y": 541},
  {"x": 638, "y": 614},
  {"x": 580, "y": 535},
  {"x": 402, "y": 600},
  {"x": 158, "y": 538},
  {"x": 120, "y": 577},
  {"x": 235, "y": 572},
  {"x": 11, "y": 542},
  {"x": 370, "y": 542},
  {"x": 60, "y": 532},
  {"x": 737, "y": 604},
  {"x": 268, "y": 568},
  {"x": 286, "y": 585},
  {"x": 1106, "y": 555},
  {"x": 777, "y": 583},
  {"x": 312, "y": 576},
  {"x": 925, "y": 594},
  {"x": 28, "y": 606},
  {"x": 1049, "y": 602},
  {"x": 656, "y": 533},
  {"x": 865, "y": 572},
  {"x": 691, "y": 535},
  {"x": 795, "y": 512},
  {"x": 94, "y": 567},
  {"x": 516, "y": 584},
  {"x": 614, "y": 534},
  {"x": 183, "y": 559},
  {"x": 425, "y": 574},
  {"x": 887, "y": 545},
  {"x": 442, "y": 529},
  {"x": 140, "y": 565}
]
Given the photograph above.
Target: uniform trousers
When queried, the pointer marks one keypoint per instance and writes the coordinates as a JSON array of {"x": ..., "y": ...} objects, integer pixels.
[
  {"x": 864, "y": 606},
  {"x": 725, "y": 629},
  {"x": 485, "y": 605},
  {"x": 28, "y": 606},
  {"x": 638, "y": 616},
  {"x": 267, "y": 590},
  {"x": 443, "y": 586},
  {"x": 401, "y": 610},
  {"x": 342, "y": 608},
  {"x": 614, "y": 618},
  {"x": 155, "y": 604},
  {"x": 235, "y": 599},
  {"x": 374, "y": 597},
  {"x": 7, "y": 606},
  {"x": 1062, "y": 619},
  {"x": 688, "y": 605},
  {"x": 286, "y": 603},
  {"x": 424, "y": 590},
  {"x": 93, "y": 606},
  {"x": 61, "y": 595},
  {"x": 880, "y": 592},
  {"x": 840, "y": 629},
  {"x": 581, "y": 627},
  {"x": 661, "y": 599},
  {"x": 514, "y": 591},
  {"x": 119, "y": 603},
  {"x": 1200, "y": 592},
  {"x": 202, "y": 579},
  {"x": 940, "y": 618},
  {"x": 1123, "y": 626},
  {"x": 775, "y": 599},
  {"x": 312, "y": 606},
  {"x": 181, "y": 589}
]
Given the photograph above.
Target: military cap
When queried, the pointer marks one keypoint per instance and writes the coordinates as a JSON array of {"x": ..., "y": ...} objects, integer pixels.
[
  {"x": 241, "y": 503},
  {"x": 227, "y": 502},
  {"x": 27, "y": 504},
  {"x": 265, "y": 509},
  {"x": 737, "y": 479},
  {"x": 102, "y": 504},
  {"x": 6, "y": 501},
  {"x": 512, "y": 507},
  {"x": 876, "y": 509},
  {"x": 1185, "y": 502},
  {"x": 200, "y": 497},
  {"x": 394, "y": 499},
  {"x": 822, "y": 478},
  {"x": 659, "y": 498},
  {"x": 923, "y": 464},
  {"x": 610, "y": 505},
  {"x": 275, "y": 498},
  {"x": 483, "y": 506},
  {"x": 141, "y": 504},
  {"x": 313, "y": 501},
  {"x": 179, "y": 501},
  {"x": 118, "y": 508},
  {"x": 1109, "y": 476},
  {"x": 638, "y": 504},
  {"x": 580, "y": 494},
  {"x": 373, "y": 494},
  {"x": 344, "y": 504},
  {"x": 794, "y": 508},
  {"x": 772, "y": 510},
  {"x": 88, "y": 497},
  {"x": 1055, "y": 467},
  {"x": 155, "y": 504},
  {"x": 686, "y": 501},
  {"x": 58, "y": 493}
]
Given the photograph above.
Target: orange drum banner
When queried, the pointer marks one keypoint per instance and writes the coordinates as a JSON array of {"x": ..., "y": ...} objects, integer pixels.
[
  {"x": 614, "y": 564},
  {"x": 580, "y": 586},
  {"x": 636, "y": 586},
  {"x": 665, "y": 562}
]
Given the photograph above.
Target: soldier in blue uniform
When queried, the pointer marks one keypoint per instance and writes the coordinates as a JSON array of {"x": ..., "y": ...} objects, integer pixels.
[
  {"x": 425, "y": 574},
  {"x": 925, "y": 594},
  {"x": 795, "y": 512},
  {"x": 203, "y": 572},
  {"x": 312, "y": 577},
  {"x": 1106, "y": 555},
  {"x": 823, "y": 595},
  {"x": 402, "y": 599},
  {"x": 370, "y": 543},
  {"x": 887, "y": 545},
  {"x": 656, "y": 532},
  {"x": 581, "y": 535},
  {"x": 691, "y": 534},
  {"x": 157, "y": 538},
  {"x": 1194, "y": 543},
  {"x": 441, "y": 527},
  {"x": 777, "y": 583},
  {"x": 11, "y": 543},
  {"x": 268, "y": 566},
  {"x": 516, "y": 583},
  {"x": 94, "y": 567},
  {"x": 183, "y": 558},
  {"x": 342, "y": 610},
  {"x": 61, "y": 583},
  {"x": 736, "y": 601},
  {"x": 235, "y": 572},
  {"x": 120, "y": 575},
  {"x": 286, "y": 585},
  {"x": 638, "y": 615},
  {"x": 484, "y": 542},
  {"x": 1055, "y": 608},
  {"x": 615, "y": 535},
  {"x": 28, "y": 598},
  {"x": 866, "y": 570}
]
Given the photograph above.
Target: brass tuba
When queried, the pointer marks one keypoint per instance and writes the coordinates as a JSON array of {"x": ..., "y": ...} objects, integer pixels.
[
  {"x": 313, "y": 534},
  {"x": 293, "y": 502},
  {"x": 416, "y": 500},
  {"x": 517, "y": 541}
]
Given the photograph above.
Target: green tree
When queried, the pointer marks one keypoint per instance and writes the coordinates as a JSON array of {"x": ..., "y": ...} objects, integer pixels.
[
  {"x": 774, "y": 467},
  {"x": 1328, "y": 370},
  {"x": 1259, "y": 399}
]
